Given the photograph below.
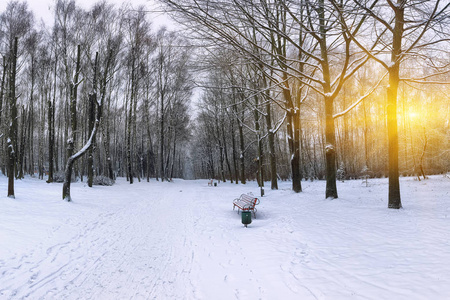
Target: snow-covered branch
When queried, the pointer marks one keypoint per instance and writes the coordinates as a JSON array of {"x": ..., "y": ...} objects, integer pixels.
[{"x": 360, "y": 99}]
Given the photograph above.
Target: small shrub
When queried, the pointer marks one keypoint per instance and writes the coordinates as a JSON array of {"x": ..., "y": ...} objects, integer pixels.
[
  {"x": 59, "y": 177},
  {"x": 103, "y": 180}
]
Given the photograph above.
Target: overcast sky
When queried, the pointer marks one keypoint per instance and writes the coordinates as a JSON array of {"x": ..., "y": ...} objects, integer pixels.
[{"x": 43, "y": 8}]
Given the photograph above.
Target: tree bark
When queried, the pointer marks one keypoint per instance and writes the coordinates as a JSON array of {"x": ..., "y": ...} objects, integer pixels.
[
  {"x": 2, "y": 92},
  {"x": 51, "y": 127},
  {"x": 330, "y": 150},
  {"x": 272, "y": 154},
  {"x": 259, "y": 159},
  {"x": 12, "y": 135},
  {"x": 91, "y": 121},
  {"x": 73, "y": 121},
  {"x": 73, "y": 106},
  {"x": 20, "y": 159},
  {"x": 72, "y": 159},
  {"x": 242, "y": 152},
  {"x": 394, "y": 183},
  {"x": 392, "y": 91}
]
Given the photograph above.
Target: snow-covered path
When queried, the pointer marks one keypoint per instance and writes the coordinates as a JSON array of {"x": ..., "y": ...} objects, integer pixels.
[
  {"x": 182, "y": 240},
  {"x": 126, "y": 252}
]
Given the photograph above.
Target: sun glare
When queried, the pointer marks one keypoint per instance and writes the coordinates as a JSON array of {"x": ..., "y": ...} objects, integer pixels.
[{"x": 413, "y": 115}]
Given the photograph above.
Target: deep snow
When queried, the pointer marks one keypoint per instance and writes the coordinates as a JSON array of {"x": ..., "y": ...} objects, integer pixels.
[{"x": 182, "y": 240}]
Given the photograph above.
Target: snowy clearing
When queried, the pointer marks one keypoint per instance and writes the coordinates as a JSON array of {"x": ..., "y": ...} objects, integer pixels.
[{"x": 182, "y": 240}]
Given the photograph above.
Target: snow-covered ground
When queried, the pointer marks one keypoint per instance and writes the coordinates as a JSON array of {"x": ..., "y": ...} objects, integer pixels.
[{"x": 182, "y": 240}]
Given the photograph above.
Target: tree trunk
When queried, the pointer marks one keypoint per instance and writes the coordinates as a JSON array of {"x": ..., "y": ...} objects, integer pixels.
[
  {"x": 20, "y": 161},
  {"x": 392, "y": 126},
  {"x": 73, "y": 106},
  {"x": 173, "y": 154},
  {"x": 91, "y": 121},
  {"x": 259, "y": 159},
  {"x": 233, "y": 143},
  {"x": 2, "y": 92},
  {"x": 2, "y": 86},
  {"x": 161, "y": 140},
  {"x": 129, "y": 136},
  {"x": 272, "y": 154},
  {"x": 330, "y": 150},
  {"x": 242, "y": 149},
  {"x": 51, "y": 141},
  {"x": 73, "y": 121},
  {"x": 72, "y": 159},
  {"x": 150, "y": 154},
  {"x": 51, "y": 128},
  {"x": 294, "y": 159},
  {"x": 394, "y": 183},
  {"x": 225, "y": 150},
  {"x": 12, "y": 135}
]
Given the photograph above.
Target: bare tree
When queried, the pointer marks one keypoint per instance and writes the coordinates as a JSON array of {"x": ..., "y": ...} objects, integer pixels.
[
  {"x": 12, "y": 133},
  {"x": 408, "y": 28}
]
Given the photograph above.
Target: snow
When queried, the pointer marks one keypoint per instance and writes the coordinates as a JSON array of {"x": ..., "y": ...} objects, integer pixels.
[
  {"x": 182, "y": 240},
  {"x": 329, "y": 148}
]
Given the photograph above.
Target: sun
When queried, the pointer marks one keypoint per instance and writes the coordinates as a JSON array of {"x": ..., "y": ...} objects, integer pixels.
[{"x": 413, "y": 115}]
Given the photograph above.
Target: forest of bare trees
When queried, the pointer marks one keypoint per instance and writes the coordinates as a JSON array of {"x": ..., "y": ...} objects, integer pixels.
[{"x": 242, "y": 90}]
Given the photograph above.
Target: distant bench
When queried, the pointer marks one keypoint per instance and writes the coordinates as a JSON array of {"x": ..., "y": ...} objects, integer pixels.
[{"x": 246, "y": 202}]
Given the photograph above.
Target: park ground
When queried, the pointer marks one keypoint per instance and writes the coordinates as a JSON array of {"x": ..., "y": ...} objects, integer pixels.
[{"x": 182, "y": 240}]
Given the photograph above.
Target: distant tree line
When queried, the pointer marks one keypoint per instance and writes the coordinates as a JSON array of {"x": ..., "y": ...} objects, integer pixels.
[
  {"x": 106, "y": 65},
  {"x": 266, "y": 90}
]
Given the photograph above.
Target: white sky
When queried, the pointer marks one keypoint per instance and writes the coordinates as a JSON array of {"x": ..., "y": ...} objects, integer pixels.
[{"x": 43, "y": 8}]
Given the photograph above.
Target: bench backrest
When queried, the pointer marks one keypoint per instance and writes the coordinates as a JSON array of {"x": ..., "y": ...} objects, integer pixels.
[{"x": 252, "y": 200}]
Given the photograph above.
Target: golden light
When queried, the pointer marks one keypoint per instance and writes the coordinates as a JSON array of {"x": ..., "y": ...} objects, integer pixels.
[{"x": 413, "y": 115}]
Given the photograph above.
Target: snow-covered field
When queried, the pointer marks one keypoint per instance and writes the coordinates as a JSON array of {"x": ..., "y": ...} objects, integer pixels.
[{"x": 182, "y": 240}]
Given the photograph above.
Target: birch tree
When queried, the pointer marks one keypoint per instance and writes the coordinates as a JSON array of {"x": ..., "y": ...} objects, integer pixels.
[{"x": 16, "y": 22}]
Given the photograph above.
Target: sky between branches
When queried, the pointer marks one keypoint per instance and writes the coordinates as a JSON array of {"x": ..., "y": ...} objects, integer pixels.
[{"x": 43, "y": 9}]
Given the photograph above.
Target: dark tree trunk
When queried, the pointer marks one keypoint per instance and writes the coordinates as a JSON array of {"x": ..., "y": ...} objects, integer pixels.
[
  {"x": 292, "y": 143},
  {"x": 161, "y": 140},
  {"x": 51, "y": 128},
  {"x": 73, "y": 106},
  {"x": 272, "y": 155},
  {"x": 330, "y": 139},
  {"x": 30, "y": 168},
  {"x": 330, "y": 150},
  {"x": 2, "y": 93},
  {"x": 20, "y": 160},
  {"x": 51, "y": 141},
  {"x": 259, "y": 159},
  {"x": 173, "y": 155},
  {"x": 12, "y": 135},
  {"x": 73, "y": 122},
  {"x": 394, "y": 183},
  {"x": 225, "y": 151},
  {"x": 130, "y": 127},
  {"x": 242, "y": 150},
  {"x": 235, "y": 162},
  {"x": 72, "y": 159},
  {"x": 2, "y": 86},
  {"x": 392, "y": 126},
  {"x": 91, "y": 121}
]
